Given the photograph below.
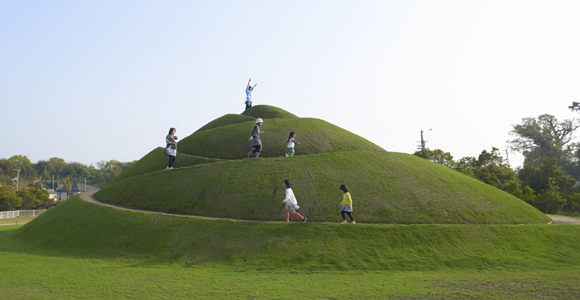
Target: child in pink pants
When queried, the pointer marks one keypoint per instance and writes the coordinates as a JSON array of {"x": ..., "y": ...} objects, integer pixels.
[{"x": 291, "y": 204}]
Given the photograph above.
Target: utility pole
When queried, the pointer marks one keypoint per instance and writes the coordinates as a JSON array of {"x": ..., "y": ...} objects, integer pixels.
[
  {"x": 53, "y": 182},
  {"x": 17, "y": 177},
  {"x": 423, "y": 141}
]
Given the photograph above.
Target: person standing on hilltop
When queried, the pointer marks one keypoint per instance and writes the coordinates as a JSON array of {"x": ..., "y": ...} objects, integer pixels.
[
  {"x": 249, "y": 90},
  {"x": 171, "y": 148},
  {"x": 255, "y": 140}
]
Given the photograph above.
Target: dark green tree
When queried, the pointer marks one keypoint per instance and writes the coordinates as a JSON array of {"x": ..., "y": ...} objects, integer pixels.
[
  {"x": 437, "y": 156},
  {"x": 545, "y": 136},
  {"x": 8, "y": 198}
]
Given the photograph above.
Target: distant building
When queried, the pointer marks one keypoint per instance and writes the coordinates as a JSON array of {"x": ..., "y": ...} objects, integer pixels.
[
  {"x": 52, "y": 194},
  {"x": 76, "y": 188}
]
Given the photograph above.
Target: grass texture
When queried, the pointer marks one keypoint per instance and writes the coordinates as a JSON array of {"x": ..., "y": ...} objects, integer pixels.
[
  {"x": 86, "y": 230},
  {"x": 80, "y": 250},
  {"x": 386, "y": 188}
]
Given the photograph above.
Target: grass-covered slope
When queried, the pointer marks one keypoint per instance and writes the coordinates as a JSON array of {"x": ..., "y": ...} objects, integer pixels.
[
  {"x": 228, "y": 119},
  {"x": 267, "y": 112},
  {"x": 76, "y": 228},
  {"x": 315, "y": 136},
  {"x": 156, "y": 160},
  {"x": 386, "y": 188}
]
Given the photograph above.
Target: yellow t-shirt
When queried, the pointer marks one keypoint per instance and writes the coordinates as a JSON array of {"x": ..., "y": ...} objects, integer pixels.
[{"x": 346, "y": 199}]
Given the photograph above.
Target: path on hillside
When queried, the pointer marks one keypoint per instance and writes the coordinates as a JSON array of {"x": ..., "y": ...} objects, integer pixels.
[
  {"x": 564, "y": 220},
  {"x": 88, "y": 197}
]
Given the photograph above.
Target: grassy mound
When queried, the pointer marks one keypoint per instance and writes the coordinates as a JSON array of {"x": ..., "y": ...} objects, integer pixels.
[
  {"x": 315, "y": 136},
  {"x": 212, "y": 179},
  {"x": 228, "y": 119},
  {"x": 267, "y": 112},
  {"x": 79, "y": 229},
  {"x": 386, "y": 188}
]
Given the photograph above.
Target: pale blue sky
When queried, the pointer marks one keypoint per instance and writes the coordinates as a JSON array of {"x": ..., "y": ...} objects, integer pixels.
[{"x": 90, "y": 81}]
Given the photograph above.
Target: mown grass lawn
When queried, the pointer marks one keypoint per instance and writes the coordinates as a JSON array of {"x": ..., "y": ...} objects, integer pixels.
[
  {"x": 37, "y": 276},
  {"x": 103, "y": 253}
]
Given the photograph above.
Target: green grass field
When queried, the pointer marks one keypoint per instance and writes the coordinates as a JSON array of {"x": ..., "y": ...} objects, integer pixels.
[
  {"x": 100, "y": 252},
  {"x": 423, "y": 232}
]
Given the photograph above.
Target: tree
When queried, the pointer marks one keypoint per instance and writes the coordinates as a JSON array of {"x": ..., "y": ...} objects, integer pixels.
[
  {"x": 38, "y": 183},
  {"x": 551, "y": 199},
  {"x": 22, "y": 160},
  {"x": 489, "y": 167},
  {"x": 525, "y": 193},
  {"x": 437, "y": 156},
  {"x": 9, "y": 198},
  {"x": 67, "y": 183},
  {"x": 539, "y": 178},
  {"x": 545, "y": 136}
]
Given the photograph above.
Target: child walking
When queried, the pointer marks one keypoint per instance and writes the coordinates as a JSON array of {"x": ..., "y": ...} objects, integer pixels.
[
  {"x": 291, "y": 142},
  {"x": 255, "y": 140},
  {"x": 346, "y": 204},
  {"x": 291, "y": 204},
  {"x": 171, "y": 148}
]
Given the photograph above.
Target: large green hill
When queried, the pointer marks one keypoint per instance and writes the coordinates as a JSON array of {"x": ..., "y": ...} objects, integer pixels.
[{"x": 212, "y": 178}]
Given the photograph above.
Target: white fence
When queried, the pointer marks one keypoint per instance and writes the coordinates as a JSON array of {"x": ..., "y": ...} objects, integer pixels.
[{"x": 20, "y": 213}]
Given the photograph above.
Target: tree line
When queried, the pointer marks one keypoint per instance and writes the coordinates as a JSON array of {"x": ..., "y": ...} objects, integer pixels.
[
  {"x": 548, "y": 178},
  {"x": 36, "y": 177}
]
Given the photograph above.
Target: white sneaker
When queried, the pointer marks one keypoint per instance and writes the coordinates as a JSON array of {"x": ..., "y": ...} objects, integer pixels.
[
  {"x": 171, "y": 168},
  {"x": 286, "y": 154},
  {"x": 166, "y": 168}
]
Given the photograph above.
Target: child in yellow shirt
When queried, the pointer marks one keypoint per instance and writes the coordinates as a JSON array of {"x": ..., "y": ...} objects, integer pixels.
[{"x": 346, "y": 204}]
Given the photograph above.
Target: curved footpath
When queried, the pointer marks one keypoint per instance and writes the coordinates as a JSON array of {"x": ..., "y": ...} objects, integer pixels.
[{"x": 88, "y": 197}]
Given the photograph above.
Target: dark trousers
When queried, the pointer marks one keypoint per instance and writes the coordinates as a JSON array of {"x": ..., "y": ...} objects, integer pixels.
[
  {"x": 171, "y": 160},
  {"x": 249, "y": 104},
  {"x": 349, "y": 215}
]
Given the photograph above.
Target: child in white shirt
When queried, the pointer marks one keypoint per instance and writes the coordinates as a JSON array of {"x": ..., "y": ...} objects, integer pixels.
[
  {"x": 291, "y": 142},
  {"x": 291, "y": 203}
]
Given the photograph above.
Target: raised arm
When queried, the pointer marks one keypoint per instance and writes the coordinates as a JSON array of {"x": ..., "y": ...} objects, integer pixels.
[{"x": 254, "y": 86}]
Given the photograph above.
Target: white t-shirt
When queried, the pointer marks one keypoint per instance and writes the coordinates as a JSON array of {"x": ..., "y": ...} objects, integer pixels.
[
  {"x": 248, "y": 93},
  {"x": 290, "y": 198},
  {"x": 291, "y": 142}
]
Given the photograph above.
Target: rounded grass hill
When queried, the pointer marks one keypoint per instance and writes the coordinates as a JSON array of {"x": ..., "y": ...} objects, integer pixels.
[{"x": 213, "y": 178}]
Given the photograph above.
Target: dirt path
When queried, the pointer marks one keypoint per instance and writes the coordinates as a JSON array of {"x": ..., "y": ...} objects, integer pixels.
[
  {"x": 88, "y": 196},
  {"x": 11, "y": 224},
  {"x": 564, "y": 220}
]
